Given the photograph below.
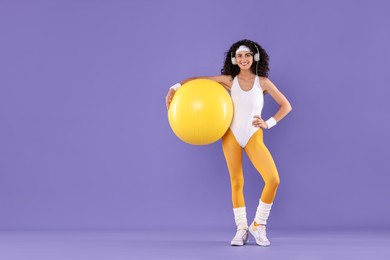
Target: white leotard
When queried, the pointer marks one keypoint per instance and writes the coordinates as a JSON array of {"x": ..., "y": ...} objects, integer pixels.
[{"x": 246, "y": 105}]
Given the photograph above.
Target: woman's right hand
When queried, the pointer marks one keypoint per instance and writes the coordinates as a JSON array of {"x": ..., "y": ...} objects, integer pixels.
[{"x": 169, "y": 97}]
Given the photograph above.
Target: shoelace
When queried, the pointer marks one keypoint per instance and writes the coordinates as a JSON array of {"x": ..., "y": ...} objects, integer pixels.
[
  {"x": 262, "y": 233},
  {"x": 240, "y": 233}
]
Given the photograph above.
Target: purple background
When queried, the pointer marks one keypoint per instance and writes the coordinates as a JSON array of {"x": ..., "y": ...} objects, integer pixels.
[{"x": 85, "y": 141}]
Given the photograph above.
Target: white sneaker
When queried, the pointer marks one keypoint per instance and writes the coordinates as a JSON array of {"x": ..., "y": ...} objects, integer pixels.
[
  {"x": 240, "y": 238},
  {"x": 260, "y": 235}
]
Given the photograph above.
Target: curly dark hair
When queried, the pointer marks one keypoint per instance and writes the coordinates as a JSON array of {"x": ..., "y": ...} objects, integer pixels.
[{"x": 233, "y": 70}]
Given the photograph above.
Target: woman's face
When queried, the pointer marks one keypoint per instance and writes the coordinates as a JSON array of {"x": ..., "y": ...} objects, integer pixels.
[{"x": 244, "y": 59}]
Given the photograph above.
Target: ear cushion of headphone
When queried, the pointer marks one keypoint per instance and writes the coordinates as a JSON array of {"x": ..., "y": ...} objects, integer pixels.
[
  {"x": 234, "y": 62},
  {"x": 256, "y": 57}
]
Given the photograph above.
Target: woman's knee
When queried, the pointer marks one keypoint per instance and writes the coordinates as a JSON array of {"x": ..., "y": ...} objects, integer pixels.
[
  {"x": 237, "y": 182},
  {"x": 273, "y": 182}
]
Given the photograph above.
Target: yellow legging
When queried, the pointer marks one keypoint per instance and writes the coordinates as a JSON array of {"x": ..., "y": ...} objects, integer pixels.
[{"x": 261, "y": 160}]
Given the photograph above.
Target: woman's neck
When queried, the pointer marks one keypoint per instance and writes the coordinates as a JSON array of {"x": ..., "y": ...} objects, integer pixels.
[{"x": 245, "y": 74}]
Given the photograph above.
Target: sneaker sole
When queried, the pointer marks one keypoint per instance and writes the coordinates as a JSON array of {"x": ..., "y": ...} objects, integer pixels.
[
  {"x": 236, "y": 244},
  {"x": 240, "y": 244}
]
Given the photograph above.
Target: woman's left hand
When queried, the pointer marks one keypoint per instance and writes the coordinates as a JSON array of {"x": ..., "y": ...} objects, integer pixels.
[{"x": 258, "y": 122}]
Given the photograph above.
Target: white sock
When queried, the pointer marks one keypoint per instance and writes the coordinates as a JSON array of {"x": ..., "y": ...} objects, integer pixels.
[
  {"x": 262, "y": 213},
  {"x": 240, "y": 218}
]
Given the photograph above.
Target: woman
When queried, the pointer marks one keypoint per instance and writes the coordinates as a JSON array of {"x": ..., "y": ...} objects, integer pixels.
[{"x": 245, "y": 75}]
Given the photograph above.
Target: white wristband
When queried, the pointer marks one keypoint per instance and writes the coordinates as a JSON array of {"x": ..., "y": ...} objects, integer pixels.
[
  {"x": 176, "y": 86},
  {"x": 271, "y": 122}
]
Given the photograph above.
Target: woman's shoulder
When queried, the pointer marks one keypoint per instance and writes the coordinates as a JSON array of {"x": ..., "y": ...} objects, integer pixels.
[
  {"x": 263, "y": 79},
  {"x": 264, "y": 83},
  {"x": 225, "y": 80}
]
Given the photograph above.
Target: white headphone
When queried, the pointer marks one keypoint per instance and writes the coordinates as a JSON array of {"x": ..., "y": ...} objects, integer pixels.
[{"x": 256, "y": 57}]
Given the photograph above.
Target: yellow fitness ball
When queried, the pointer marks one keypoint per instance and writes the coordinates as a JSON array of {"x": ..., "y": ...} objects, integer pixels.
[{"x": 200, "y": 112}]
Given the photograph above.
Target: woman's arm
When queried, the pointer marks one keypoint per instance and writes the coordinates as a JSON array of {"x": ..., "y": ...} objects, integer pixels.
[
  {"x": 224, "y": 80},
  {"x": 280, "y": 99}
]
